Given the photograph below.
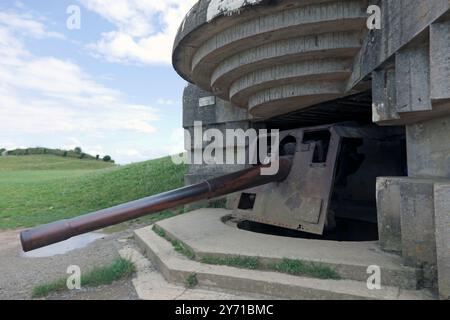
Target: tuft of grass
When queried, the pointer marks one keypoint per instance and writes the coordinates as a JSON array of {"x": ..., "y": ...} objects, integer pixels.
[
  {"x": 180, "y": 248},
  {"x": 293, "y": 267},
  {"x": 238, "y": 262},
  {"x": 191, "y": 281},
  {"x": 300, "y": 268},
  {"x": 177, "y": 245},
  {"x": 119, "y": 269},
  {"x": 49, "y": 288},
  {"x": 160, "y": 232},
  {"x": 41, "y": 189}
]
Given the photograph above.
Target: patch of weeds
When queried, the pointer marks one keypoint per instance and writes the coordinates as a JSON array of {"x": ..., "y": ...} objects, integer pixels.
[
  {"x": 48, "y": 288},
  {"x": 119, "y": 269},
  {"x": 300, "y": 268},
  {"x": 238, "y": 262},
  {"x": 178, "y": 246},
  {"x": 160, "y": 232},
  {"x": 191, "y": 281}
]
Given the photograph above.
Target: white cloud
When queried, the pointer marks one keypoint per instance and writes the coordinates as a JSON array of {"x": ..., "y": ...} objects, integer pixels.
[
  {"x": 26, "y": 24},
  {"x": 8, "y": 145},
  {"x": 129, "y": 152},
  {"x": 94, "y": 150},
  {"x": 166, "y": 102},
  {"x": 47, "y": 101},
  {"x": 144, "y": 29},
  {"x": 134, "y": 152},
  {"x": 72, "y": 143},
  {"x": 46, "y": 94}
]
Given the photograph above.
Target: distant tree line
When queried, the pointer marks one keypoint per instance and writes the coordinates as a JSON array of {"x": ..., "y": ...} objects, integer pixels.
[{"x": 75, "y": 153}]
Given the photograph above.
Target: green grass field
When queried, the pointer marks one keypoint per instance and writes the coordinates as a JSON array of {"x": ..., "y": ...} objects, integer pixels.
[{"x": 41, "y": 189}]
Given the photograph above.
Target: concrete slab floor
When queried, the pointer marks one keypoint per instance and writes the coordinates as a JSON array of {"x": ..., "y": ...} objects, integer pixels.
[
  {"x": 204, "y": 231},
  {"x": 206, "y": 234},
  {"x": 177, "y": 268}
]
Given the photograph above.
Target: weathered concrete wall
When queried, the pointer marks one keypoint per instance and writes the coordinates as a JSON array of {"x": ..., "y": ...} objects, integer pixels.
[
  {"x": 409, "y": 60},
  {"x": 429, "y": 148},
  {"x": 442, "y": 214},
  {"x": 217, "y": 114},
  {"x": 389, "y": 216},
  {"x": 421, "y": 89},
  {"x": 406, "y": 213},
  {"x": 440, "y": 61},
  {"x": 214, "y": 113},
  {"x": 418, "y": 227},
  {"x": 402, "y": 21},
  {"x": 384, "y": 95},
  {"x": 402, "y": 95},
  {"x": 201, "y": 105},
  {"x": 413, "y": 79}
]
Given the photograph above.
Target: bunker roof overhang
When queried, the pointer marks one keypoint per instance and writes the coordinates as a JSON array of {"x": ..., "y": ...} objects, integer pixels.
[{"x": 272, "y": 57}]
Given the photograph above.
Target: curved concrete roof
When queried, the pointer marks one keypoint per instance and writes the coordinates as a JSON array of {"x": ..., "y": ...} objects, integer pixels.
[{"x": 271, "y": 57}]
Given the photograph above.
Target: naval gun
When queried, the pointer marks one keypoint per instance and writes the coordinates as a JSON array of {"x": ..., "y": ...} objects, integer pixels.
[
  {"x": 209, "y": 189},
  {"x": 326, "y": 174}
]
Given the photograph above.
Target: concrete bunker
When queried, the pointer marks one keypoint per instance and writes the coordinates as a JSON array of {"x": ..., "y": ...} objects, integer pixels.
[
  {"x": 295, "y": 64},
  {"x": 369, "y": 111}
]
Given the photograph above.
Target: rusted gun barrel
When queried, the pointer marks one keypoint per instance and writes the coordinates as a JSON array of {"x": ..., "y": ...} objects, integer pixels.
[{"x": 62, "y": 230}]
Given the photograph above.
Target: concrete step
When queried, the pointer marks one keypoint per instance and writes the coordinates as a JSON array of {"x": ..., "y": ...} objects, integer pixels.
[
  {"x": 151, "y": 285},
  {"x": 177, "y": 268},
  {"x": 205, "y": 233}
]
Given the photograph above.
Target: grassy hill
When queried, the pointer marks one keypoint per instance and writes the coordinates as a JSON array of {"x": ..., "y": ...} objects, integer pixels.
[
  {"x": 41, "y": 189},
  {"x": 49, "y": 162}
]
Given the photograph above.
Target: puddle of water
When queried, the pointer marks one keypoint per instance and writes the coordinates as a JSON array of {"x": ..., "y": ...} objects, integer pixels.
[{"x": 74, "y": 243}]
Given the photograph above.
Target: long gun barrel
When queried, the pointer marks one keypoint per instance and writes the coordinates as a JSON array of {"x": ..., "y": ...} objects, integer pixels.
[{"x": 62, "y": 230}]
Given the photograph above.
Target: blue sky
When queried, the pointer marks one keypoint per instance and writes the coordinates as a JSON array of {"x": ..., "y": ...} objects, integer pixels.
[{"x": 108, "y": 87}]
